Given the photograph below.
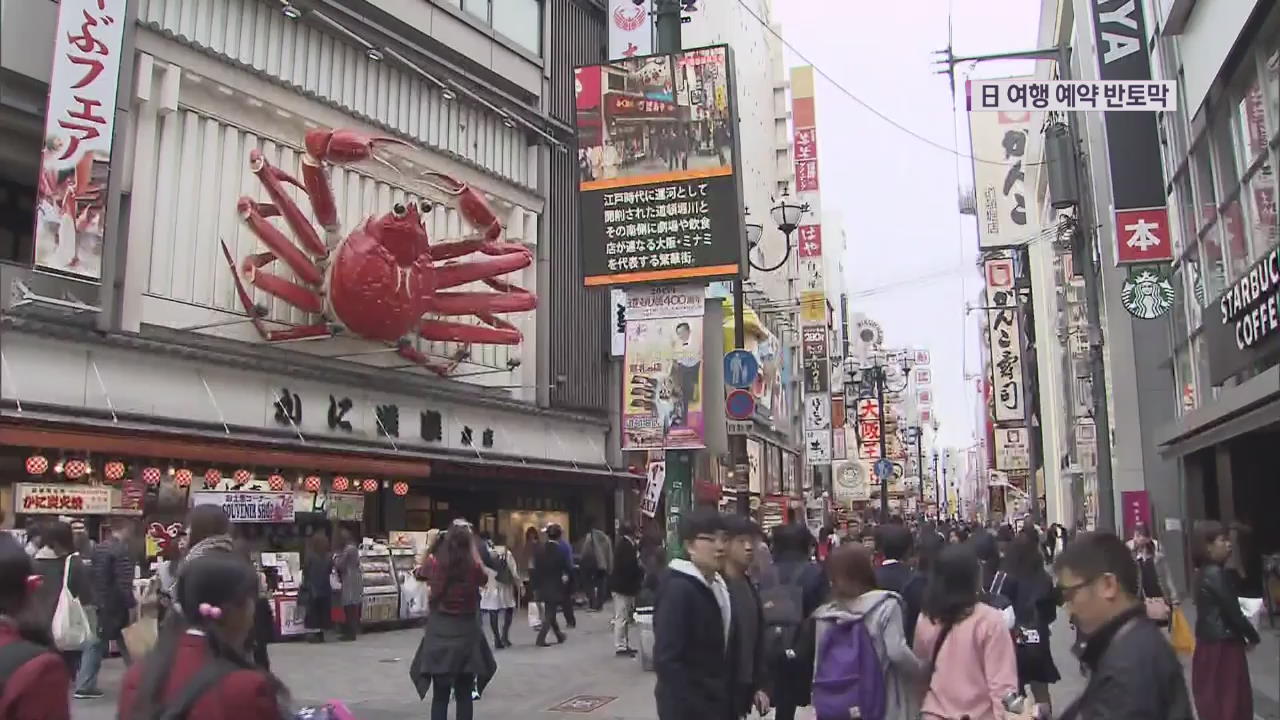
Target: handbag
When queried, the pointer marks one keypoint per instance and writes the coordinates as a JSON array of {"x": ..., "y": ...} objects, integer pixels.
[
  {"x": 1158, "y": 609},
  {"x": 993, "y": 598},
  {"x": 1184, "y": 643},
  {"x": 535, "y": 616},
  {"x": 335, "y": 580},
  {"x": 71, "y": 628}
]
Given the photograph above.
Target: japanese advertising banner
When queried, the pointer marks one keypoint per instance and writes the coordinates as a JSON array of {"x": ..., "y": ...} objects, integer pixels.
[
  {"x": 630, "y": 29},
  {"x": 660, "y": 197},
  {"x": 657, "y": 478},
  {"x": 1003, "y": 144},
  {"x": 71, "y": 192},
  {"x": 51, "y": 499},
  {"x": 249, "y": 507},
  {"x": 1005, "y": 342},
  {"x": 1012, "y": 449},
  {"x": 662, "y": 384}
]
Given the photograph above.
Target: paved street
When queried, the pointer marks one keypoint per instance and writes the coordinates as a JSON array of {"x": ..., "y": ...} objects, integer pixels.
[{"x": 371, "y": 675}]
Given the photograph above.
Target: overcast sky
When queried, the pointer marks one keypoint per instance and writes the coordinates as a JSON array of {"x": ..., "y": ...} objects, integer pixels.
[{"x": 911, "y": 258}]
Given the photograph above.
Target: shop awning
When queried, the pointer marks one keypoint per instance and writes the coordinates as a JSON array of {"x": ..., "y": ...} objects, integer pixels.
[{"x": 1249, "y": 406}]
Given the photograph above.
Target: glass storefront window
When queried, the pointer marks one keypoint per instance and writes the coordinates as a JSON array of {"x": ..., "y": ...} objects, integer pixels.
[
  {"x": 1271, "y": 66},
  {"x": 1202, "y": 176},
  {"x": 1184, "y": 379},
  {"x": 1179, "y": 314},
  {"x": 479, "y": 8},
  {"x": 1200, "y": 356},
  {"x": 1251, "y": 124},
  {"x": 1193, "y": 289},
  {"x": 1260, "y": 197},
  {"x": 1215, "y": 264},
  {"x": 1225, "y": 154},
  {"x": 1236, "y": 239},
  {"x": 1185, "y": 207},
  {"x": 521, "y": 21}
]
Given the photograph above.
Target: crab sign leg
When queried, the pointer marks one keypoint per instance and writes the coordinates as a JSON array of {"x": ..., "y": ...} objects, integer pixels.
[
  {"x": 474, "y": 303},
  {"x": 273, "y": 180},
  {"x": 444, "y": 369},
  {"x": 456, "y": 274},
  {"x": 501, "y": 332},
  {"x": 301, "y": 297},
  {"x": 276, "y": 241},
  {"x": 448, "y": 250},
  {"x": 255, "y": 313}
]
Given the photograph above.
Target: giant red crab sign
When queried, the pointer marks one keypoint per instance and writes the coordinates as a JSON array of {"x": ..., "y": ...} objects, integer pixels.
[{"x": 381, "y": 279}]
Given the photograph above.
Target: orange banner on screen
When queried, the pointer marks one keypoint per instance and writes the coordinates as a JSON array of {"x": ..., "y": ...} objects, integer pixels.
[{"x": 672, "y": 176}]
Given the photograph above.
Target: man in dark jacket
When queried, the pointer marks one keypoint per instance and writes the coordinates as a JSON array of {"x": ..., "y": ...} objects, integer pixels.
[
  {"x": 790, "y": 673},
  {"x": 624, "y": 582},
  {"x": 551, "y": 584},
  {"x": 896, "y": 575},
  {"x": 112, "y": 580},
  {"x": 1133, "y": 671},
  {"x": 746, "y": 645},
  {"x": 691, "y": 627}
]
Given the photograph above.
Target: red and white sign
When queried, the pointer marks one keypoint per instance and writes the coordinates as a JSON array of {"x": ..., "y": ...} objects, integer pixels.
[
  {"x": 71, "y": 192},
  {"x": 805, "y": 144},
  {"x": 1000, "y": 274},
  {"x": 810, "y": 241},
  {"x": 1142, "y": 236},
  {"x": 41, "y": 499},
  {"x": 630, "y": 29}
]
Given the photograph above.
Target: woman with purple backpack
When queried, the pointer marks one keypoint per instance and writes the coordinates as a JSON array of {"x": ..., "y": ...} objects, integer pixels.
[{"x": 863, "y": 666}]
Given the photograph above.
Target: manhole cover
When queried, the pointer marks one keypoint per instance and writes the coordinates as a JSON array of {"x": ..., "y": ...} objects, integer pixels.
[{"x": 583, "y": 703}]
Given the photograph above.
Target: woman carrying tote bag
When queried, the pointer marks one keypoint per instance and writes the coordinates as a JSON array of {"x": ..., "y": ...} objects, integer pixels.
[{"x": 63, "y": 593}]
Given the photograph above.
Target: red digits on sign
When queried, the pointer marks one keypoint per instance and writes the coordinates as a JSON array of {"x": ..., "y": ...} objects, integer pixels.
[
  {"x": 87, "y": 132},
  {"x": 95, "y": 69}
]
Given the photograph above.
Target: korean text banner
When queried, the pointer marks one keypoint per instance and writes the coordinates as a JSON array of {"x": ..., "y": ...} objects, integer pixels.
[
  {"x": 1004, "y": 144},
  {"x": 662, "y": 384},
  {"x": 250, "y": 507},
  {"x": 71, "y": 192},
  {"x": 660, "y": 197}
]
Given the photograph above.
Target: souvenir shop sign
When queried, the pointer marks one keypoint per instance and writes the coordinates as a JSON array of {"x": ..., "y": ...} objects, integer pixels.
[
  {"x": 668, "y": 207},
  {"x": 249, "y": 507},
  {"x": 61, "y": 499}
]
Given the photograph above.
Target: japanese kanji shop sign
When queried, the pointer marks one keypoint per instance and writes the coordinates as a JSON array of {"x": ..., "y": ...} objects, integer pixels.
[
  {"x": 71, "y": 192},
  {"x": 42, "y": 499},
  {"x": 1142, "y": 236},
  {"x": 1005, "y": 340},
  {"x": 660, "y": 197},
  {"x": 1003, "y": 144},
  {"x": 249, "y": 507}
]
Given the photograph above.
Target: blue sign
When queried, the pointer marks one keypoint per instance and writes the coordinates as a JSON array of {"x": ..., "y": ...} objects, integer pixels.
[
  {"x": 884, "y": 468},
  {"x": 740, "y": 368},
  {"x": 740, "y": 405}
]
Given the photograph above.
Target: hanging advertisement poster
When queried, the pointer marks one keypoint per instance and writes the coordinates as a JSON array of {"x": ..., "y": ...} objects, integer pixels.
[
  {"x": 1005, "y": 339},
  {"x": 1005, "y": 144},
  {"x": 653, "y": 488},
  {"x": 250, "y": 507},
  {"x": 817, "y": 445},
  {"x": 647, "y": 217},
  {"x": 755, "y": 466},
  {"x": 662, "y": 384},
  {"x": 850, "y": 481},
  {"x": 71, "y": 192},
  {"x": 630, "y": 29},
  {"x": 1012, "y": 451}
]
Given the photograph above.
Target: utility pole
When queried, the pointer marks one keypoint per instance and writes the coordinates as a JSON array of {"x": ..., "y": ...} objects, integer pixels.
[{"x": 1086, "y": 250}]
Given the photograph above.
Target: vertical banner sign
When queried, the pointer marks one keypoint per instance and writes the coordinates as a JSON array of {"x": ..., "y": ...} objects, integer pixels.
[
  {"x": 1003, "y": 144},
  {"x": 630, "y": 29},
  {"x": 653, "y": 488},
  {"x": 659, "y": 191},
  {"x": 1133, "y": 144},
  {"x": 1004, "y": 336},
  {"x": 75, "y": 160},
  {"x": 662, "y": 369},
  {"x": 1137, "y": 509},
  {"x": 814, "y": 332}
]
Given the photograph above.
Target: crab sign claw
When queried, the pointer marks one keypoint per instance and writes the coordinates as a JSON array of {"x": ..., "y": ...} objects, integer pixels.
[
  {"x": 470, "y": 203},
  {"x": 338, "y": 147}
]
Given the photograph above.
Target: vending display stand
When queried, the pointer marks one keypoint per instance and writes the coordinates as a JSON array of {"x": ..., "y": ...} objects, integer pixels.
[{"x": 381, "y": 602}]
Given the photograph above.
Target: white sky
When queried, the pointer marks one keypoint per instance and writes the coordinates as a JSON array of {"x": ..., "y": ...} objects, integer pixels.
[{"x": 911, "y": 259}]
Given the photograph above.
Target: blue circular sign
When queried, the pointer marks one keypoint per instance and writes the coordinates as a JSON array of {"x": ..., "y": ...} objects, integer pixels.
[
  {"x": 740, "y": 405},
  {"x": 740, "y": 368},
  {"x": 884, "y": 468}
]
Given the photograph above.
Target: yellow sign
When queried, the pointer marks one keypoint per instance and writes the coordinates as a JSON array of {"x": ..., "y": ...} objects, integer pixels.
[{"x": 813, "y": 308}]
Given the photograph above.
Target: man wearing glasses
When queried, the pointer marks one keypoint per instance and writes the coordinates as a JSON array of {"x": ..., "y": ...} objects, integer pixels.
[
  {"x": 691, "y": 625},
  {"x": 1133, "y": 671}
]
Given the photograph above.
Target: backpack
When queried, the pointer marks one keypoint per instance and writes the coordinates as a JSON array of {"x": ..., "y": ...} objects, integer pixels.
[
  {"x": 782, "y": 600},
  {"x": 848, "y": 674},
  {"x": 992, "y": 596},
  {"x": 504, "y": 575}
]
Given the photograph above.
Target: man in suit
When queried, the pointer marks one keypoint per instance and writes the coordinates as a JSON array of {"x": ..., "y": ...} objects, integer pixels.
[{"x": 897, "y": 575}]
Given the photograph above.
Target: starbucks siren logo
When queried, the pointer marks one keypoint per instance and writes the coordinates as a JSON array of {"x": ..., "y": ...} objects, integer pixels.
[{"x": 1147, "y": 294}]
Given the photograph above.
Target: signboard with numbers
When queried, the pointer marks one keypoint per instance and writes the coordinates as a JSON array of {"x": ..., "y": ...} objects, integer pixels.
[{"x": 645, "y": 218}]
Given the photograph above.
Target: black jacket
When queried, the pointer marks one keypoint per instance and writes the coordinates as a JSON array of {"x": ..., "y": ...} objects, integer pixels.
[
  {"x": 791, "y": 681},
  {"x": 689, "y": 653},
  {"x": 112, "y": 587},
  {"x": 1218, "y": 614},
  {"x": 1133, "y": 674},
  {"x": 900, "y": 578},
  {"x": 627, "y": 575},
  {"x": 746, "y": 644},
  {"x": 549, "y": 571}
]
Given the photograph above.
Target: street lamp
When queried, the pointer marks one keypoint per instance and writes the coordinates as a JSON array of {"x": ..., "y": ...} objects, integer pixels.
[
  {"x": 786, "y": 216},
  {"x": 873, "y": 381}
]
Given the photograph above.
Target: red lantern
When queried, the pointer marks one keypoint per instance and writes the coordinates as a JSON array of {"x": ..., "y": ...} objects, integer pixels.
[
  {"x": 151, "y": 475},
  {"x": 400, "y": 488},
  {"x": 182, "y": 477},
  {"x": 275, "y": 482},
  {"x": 242, "y": 476},
  {"x": 113, "y": 470},
  {"x": 341, "y": 483},
  {"x": 212, "y": 477},
  {"x": 312, "y": 483},
  {"x": 74, "y": 469},
  {"x": 369, "y": 485},
  {"x": 37, "y": 465}
]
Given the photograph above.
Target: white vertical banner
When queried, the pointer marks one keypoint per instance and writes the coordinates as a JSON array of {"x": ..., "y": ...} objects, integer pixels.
[
  {"x": 617, "y": 322},
  {"x": 653, "y": 489},
  {"x": 1005, "y": 338},
  {"x": 1003, "y": 145},
  {"x": 630, "y": 29},
  {"x": 75, "y": 161}
]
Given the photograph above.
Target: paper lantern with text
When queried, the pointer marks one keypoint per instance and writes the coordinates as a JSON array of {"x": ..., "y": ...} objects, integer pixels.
[
  {"x": 312, "y": 483},
  {"x": 369, "y": 485},
  {"x": 75, "y": 469},
  {"x": 242, "y": 476},
  {"x": 400, "y": 488},
  {"x": 113, "y": 470},
  {"x": 37, "y": 465},
  {"x": 182, "y": 477},
  {"x": 275, "y": 481},
  {"x": 341, "y": 483},
  {"x": 151, "y": 475},
  {"x": 212, "y": 477}
]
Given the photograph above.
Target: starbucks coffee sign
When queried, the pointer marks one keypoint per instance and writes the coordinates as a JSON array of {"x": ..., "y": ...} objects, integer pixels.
[
  {"x": 1147, "y": 293},
  {"x": 1243, "y": 326}
]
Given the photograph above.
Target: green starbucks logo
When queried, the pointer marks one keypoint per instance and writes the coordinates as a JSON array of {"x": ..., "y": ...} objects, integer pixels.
[{"x": 1147, "y": 293}]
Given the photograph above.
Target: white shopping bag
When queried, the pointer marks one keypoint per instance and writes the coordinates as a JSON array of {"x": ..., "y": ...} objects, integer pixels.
[
  {"x": 1252, "y": 609},
  {"x": 71, "y": 628},
  {"x": 535, "y": 615}
]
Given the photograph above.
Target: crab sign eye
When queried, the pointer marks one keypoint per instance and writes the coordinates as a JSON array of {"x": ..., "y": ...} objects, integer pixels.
[
  {"x": 398, "y": 210},
  {"x": 424, "y": 207}
]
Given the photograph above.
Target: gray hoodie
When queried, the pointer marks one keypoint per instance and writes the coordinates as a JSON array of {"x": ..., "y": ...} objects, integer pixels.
[{"x": 881, "y": 612}]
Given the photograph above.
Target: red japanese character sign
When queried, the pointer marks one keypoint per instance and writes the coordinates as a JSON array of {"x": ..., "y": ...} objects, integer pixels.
[
  {"x": 805, "y": 144},
  {"x": 809, "y": 241},
  {"x": 76, "y": 153},
  {"x": 1142, "y": 236}
]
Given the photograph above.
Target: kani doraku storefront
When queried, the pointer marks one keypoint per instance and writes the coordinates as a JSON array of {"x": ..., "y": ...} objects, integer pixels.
[{"x": 278, "y": 174}]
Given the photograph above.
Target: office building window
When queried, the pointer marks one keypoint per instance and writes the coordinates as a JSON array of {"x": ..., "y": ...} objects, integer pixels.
[
  {"x": 1214, "y": 262},
  {"x": 479, "y": 8},
  {"x": 1260, "y": 198},
  {"x": 1184, "y": 379},
  {"x": 1202, "y": 177},
  {"x": 521, "y": 21}
]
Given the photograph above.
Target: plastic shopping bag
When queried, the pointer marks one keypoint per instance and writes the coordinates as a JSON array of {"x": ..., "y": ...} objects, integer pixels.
[
  {"x": 1184, "y": 643},
  {"x": 1252, "y": 609},
  {"x": 71, "y": 627},
  {"x": 535, "y": 616},
  {"x": 331, "y": 710},
  {"x": 140, "y": 637}
]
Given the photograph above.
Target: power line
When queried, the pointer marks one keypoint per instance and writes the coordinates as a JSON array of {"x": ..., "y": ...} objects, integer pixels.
[{"x": 865, "y": 105}]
